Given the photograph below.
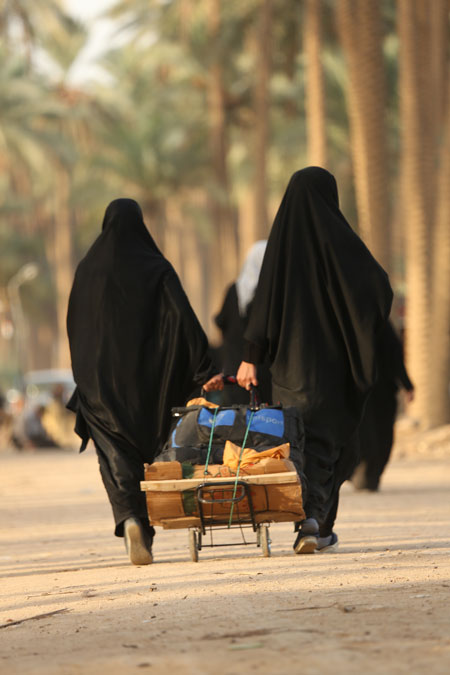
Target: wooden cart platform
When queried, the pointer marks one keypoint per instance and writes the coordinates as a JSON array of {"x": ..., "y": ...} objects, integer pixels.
[{"x": 172, "y": 503}]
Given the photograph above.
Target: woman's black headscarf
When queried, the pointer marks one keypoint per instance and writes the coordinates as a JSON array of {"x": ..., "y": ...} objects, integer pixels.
[
  {"x": 320, "y": 301},
  {"x": 136, "y": 345}
]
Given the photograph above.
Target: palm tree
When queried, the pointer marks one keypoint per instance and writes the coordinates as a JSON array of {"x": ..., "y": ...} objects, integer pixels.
[
  {"x": 263, "y": 65},
  {"x": 53, "y": 131},
  {"x": 440, "y": 315},
  {"x": 225, "y": 253},
  {"x": 360, "y": 30},
  {"x": 415, "y": 211},
  {"x": 315, "y": 85},
  {"x": 22, "y": 23},
  {"x": 27, "y": 139}
]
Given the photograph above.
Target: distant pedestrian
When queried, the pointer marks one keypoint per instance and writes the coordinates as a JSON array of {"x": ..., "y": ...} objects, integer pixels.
[
  {"x": 232, "y": 321},
  {"x": 376, "y": 431}
]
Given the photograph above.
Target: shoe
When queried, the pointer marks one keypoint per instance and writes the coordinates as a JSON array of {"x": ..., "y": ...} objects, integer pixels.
[
  {"x": 307, "y": 536},
  {"x": 327, "y": 544},
  {"x": 137, "y": 544},
  {"x": 305, "y": 543}
]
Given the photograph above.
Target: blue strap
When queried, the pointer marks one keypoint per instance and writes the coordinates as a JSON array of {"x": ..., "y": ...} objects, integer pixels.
[
  {"x": 213, "y": 424},
  {"x": 239, "y": 465}
]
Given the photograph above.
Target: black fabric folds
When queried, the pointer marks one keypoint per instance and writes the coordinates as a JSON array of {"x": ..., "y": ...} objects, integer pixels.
[
  {"x": 137, "y": 347},
  {"x": 320, "y": 302},
  {"x": 376, "y": 431}
]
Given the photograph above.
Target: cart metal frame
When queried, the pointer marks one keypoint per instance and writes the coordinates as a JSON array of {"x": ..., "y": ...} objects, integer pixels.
[{"x": 195, "y": 535}]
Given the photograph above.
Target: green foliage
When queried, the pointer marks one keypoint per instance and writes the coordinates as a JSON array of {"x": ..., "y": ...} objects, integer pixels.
[{"x": 143, "y": 131}]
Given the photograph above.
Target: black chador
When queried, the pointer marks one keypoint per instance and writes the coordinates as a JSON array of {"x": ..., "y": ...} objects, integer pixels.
[
  {"x": 320, "y": 302},
  {"x": 137, "y": 350}
]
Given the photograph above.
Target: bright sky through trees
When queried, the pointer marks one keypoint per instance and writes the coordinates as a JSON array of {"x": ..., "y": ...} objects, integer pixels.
[{"x": 101, "y": 34}]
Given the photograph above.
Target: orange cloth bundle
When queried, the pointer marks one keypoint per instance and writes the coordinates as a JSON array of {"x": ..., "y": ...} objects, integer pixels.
[{"x": 250, "y": 456}]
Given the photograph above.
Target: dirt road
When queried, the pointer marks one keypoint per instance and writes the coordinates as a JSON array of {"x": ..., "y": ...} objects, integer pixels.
[{"x": 380, "y": 605}]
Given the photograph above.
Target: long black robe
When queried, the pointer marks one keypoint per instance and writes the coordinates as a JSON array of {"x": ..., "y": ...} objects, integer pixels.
[
  {"x": 137, "y": 350},
  {"x": 320, "y": 301},
  {"x": 376, "y": 431}
]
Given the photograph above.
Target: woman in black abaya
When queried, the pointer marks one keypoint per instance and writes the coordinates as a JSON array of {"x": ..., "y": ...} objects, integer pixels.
[
  {"x": 137, "y": 350},
  {"x": 320, "y": 301}
]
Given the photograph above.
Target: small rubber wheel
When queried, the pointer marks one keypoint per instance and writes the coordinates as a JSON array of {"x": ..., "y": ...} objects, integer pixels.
[
  {"x": 264, "y": 540},
  {"x": 193, "y": 545}
]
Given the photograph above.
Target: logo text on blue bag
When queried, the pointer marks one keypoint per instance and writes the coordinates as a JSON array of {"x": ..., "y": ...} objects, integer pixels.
[
  {"x": 224, "y": 418},
  {"x": 267, "y": 421}
]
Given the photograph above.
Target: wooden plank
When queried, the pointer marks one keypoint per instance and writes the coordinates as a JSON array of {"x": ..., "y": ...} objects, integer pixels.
[
  {"x": 279, "y": 516},
  {"x": 263, "y": 517},
  {"x": 190, "y": 483},
  {"x": 178, "y": 523}
]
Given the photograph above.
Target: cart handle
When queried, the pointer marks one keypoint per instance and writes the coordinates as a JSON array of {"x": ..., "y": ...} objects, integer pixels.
[{"x": 255, "y": 399}]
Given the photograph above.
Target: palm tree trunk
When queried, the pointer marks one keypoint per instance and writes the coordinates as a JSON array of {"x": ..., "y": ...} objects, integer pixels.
[
  {"x": 224, "y": 252},
  {"x": 193, "y": 272},
  {"x": 360, "y": 30},
  {"x": 173, "y": 238},
  {"x": 185, "y": 18},
  {"x": 440, "y": 342},
  {"x": 439, "y": 10},
  {"x": 424, "y": 41},
  {"x": 315, "y": 85},
  {"x": 247, "y": 228},
  {"x": 433, "y": 42},
  {"x": 62, "y": 262},
  {"x": 155, "y": 216},
  {"x": 415, "y": 213},
  {"x": 262, "y": 108}
]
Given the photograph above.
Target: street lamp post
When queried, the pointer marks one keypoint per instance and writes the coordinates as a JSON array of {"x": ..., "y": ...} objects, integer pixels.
[{"x": 26, "y": 273}]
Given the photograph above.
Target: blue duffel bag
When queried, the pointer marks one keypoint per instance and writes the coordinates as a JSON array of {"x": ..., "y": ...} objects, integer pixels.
[{"x": 190, "y": 434}]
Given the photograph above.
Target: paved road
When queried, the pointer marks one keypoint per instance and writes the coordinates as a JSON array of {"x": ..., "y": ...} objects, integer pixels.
[{"x": 380, "y": 605}]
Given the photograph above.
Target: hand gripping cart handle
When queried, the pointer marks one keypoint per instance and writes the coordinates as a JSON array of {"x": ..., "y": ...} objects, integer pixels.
[{"x": 255, "y": 399}]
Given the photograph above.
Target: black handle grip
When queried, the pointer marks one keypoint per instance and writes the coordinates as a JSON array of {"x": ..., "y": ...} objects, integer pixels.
[{"x": 255, "y": 400}]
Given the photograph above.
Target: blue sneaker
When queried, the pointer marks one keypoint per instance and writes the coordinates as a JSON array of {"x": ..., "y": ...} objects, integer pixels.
[
  {"x": 328, "y": 544},
  {"x": 305, "y": 543},
  {"x": 307, "y": 537}
]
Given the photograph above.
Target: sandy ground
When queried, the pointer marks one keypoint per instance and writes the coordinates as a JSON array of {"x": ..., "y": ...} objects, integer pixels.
[{"x": 379, "y": 605}]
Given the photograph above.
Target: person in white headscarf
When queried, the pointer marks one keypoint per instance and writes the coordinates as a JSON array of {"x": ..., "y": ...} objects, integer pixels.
[
  {"x": 232, "y": 322},
  {"x": 248, "y": 278}
]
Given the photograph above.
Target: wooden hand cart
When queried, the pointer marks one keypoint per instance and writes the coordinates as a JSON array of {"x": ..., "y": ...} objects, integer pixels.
[
  {"x": 253, "y": 501},
  {"x": 210, "y": 502}
]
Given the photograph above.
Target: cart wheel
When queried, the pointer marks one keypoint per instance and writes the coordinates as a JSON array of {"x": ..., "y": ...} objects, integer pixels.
[
  {"x": 264, "y": 540},
  {"x": 193, "y": 545}
]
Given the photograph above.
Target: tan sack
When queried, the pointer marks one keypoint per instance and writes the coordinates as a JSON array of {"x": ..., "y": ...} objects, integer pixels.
[{"x": 250, "y": 456}]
